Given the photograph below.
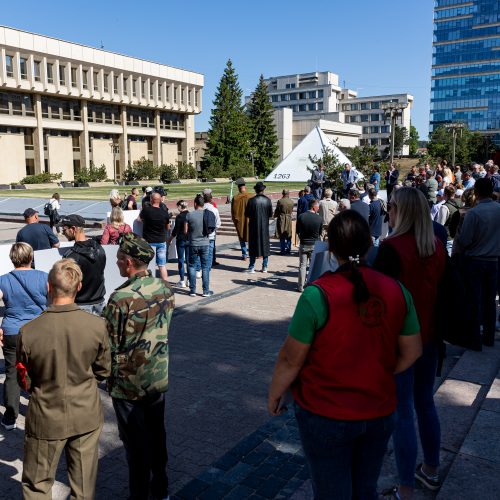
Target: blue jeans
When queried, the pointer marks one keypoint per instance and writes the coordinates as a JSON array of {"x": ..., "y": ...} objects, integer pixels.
[
  {"x": 286, "y": 245},
  {"x": 161, "y": 253},
  {"x": 415, "y": 388},
  {"x": 211, "y": 248},
  {"x": 344, "y": 457},
  {"x": 95, "y": 309},
  {"x": 265, "y": 260},
  {"x": 244, "y": 251},
  {"x": 202, "y": 254},
  {"x": 182, "y": 256},
  {"x": 482, "y": 279}
]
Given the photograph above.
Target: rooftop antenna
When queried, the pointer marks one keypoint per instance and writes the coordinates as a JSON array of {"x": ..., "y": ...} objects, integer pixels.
[{"x": 102, "y": 45}]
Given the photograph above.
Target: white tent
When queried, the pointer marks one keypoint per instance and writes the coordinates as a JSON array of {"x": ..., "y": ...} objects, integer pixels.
[{"x": 297, "y": 166}]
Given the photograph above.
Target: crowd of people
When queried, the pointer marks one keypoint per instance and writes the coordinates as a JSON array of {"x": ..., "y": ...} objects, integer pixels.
[{"x": 362, "y": 349}]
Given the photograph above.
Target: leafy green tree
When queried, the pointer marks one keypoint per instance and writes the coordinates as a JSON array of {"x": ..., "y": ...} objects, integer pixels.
[
  {"x": 412, "y": 140},
  {"x": 263, "y": 139},
  {"x": 228, "y": 143},
  {"x": 400, "y": 138},
  {"x": 363, "y": 157},
  {"x": 333, "y": 167}
]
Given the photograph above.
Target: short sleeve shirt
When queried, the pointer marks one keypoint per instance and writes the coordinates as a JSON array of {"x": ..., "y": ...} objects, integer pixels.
[{"x": 38, "y": 235}]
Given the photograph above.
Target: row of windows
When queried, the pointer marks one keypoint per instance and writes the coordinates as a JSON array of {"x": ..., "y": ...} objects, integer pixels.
[
  {"x": 295, "y": 96},
  {"x": 355, "y": 106},
  {"x": 455, "y": 12},
  {"x": 447, "y": 3},
  {"x": 458, "y": 58},
  {"x": 364, "y": 118},
  {"x": 467, "y": 46},
  {"x": 463, "y": 103},
  {"x": 60, "y": 109},
  {"x": 384, "y": 141},
  {"x": 384, "y": 129},
  {"x": 16, "y": 104},
  {"x": 109, "y": 85},
  {"x": 465, "y": 92},
  {"x": 477, "y": 81},
  {"x": 296, "y": 108},
  {"x": 487, "y": 67}
]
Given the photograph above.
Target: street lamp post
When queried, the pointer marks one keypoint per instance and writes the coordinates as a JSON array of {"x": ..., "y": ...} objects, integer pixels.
[
  {"x": 454, "y": 127},
  {"x": 115, "y": 149},
  {"x": 392, "y": 110}
]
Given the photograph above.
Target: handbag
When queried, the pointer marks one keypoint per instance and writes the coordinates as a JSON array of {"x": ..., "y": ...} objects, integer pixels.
[{"x": 28, "y": 292}]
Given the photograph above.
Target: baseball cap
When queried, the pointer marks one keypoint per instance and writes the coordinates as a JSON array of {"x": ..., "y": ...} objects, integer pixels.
[
  {"x": 29, "y": 212},
  {"x": 149, "y": 189},
  {"x": 136, "y": 247},
  {"x": 73, "y": 220}
]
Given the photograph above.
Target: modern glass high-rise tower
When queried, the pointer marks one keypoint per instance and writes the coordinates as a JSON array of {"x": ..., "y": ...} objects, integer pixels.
[{"x": 466, "y": 65}]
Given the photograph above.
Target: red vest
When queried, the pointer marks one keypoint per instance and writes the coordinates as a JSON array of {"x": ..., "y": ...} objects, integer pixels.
[
  {"x": 349, "y": 371},
  {"x": 421, "y": 276}
]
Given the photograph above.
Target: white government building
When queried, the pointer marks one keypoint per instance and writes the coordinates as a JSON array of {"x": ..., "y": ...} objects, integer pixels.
[
  {"x": 304, "y": 101},
  {"x": 64, "y": 105}
]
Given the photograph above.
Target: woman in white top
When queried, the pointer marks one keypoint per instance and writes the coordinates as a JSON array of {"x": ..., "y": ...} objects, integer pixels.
[{"x": 54, "y": 217}]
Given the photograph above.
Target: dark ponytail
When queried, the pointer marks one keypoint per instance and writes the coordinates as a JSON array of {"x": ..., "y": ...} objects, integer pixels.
[{"x": 349, "y": 238}]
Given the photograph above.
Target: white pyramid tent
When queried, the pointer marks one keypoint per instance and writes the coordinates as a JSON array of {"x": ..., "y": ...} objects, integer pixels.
[{"x": 297, "y": 167}]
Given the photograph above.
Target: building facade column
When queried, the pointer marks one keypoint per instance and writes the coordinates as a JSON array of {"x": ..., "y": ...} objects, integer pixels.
[
  {"x": 188, "y": 142},
  {"x": 38, "y": 137},
  {"x": 123, "y": 142},
  {"x": 84, "y": 137},
  {"x": 157, "y": 159}
]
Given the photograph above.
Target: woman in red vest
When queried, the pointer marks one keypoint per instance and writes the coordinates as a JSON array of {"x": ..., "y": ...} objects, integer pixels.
[
  {"x": 351, "y": 331},
  {"x": 412, "y": 255}
]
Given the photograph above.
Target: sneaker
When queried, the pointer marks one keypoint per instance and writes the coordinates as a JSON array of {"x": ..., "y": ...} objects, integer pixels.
[
  {"x": 264, "y": 269},
  {"x": 208, "y": 294},
  {"x": 250, "y": 270},
  {"x": 181, "y": 284},
  {"x": 198, "y": 274},
  {"x": 430, "y": 482},
  {"x": 9, "y": 423},
  {"x": 192, "y": 294},
  {"x": 391, "y": 493}
]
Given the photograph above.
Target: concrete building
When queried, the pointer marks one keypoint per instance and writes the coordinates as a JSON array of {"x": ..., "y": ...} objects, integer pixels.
[
  {"x": 465, "y": 84},
  {"x": 63, "y": 105},
  {"x": 317, "y": 98}
]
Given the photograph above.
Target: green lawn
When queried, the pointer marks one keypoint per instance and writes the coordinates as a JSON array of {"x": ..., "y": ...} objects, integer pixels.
[{"x": 175, "y": 191}]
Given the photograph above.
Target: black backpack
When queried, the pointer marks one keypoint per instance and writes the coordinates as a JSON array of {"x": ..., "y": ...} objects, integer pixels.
[
  {"x": 209, "y": 222},
  {"x": 48, "y": 209}
]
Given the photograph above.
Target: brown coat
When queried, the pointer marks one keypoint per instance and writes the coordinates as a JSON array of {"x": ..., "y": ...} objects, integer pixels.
[
  {"x": 283, "y": 216},
  {"x": 66, "y": 351},
  {"x": 238, "y": 207}
]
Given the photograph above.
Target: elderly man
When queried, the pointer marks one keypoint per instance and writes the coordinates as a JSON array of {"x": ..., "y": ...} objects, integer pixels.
[
  {"x": 238, "y": 207},
  {"x": 349, "y": 176},
  {"x": 283, "y": 216},
  {"x": 138, "y": 318},
  {"x": 39, "y": 236},
  {"x": 327, "y": 210},
  {"x": 91, "y": 258},
  {"x": 61, "y": 356}
]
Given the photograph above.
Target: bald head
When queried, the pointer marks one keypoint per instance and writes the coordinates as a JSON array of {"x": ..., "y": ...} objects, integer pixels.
[{"x": 155, "y": 199}]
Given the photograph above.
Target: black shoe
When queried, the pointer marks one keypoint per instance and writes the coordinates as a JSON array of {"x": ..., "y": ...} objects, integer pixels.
[
  {"x": 215, "y": 263},
  {"x": 9, "y": 423},
  {"x": 430, "y": 482}
]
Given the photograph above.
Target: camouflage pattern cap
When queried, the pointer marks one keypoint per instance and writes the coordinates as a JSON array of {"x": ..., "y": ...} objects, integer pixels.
[{"x": 137, "y": 247}]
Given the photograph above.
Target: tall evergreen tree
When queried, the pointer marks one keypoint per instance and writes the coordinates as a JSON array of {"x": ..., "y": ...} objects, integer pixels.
[
  {"x": 228, "y": 143},
  {"x": 263, "y": 139}
]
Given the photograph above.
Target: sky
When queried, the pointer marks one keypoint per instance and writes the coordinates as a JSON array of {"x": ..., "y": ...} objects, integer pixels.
[{"x": 376, "y": 47}]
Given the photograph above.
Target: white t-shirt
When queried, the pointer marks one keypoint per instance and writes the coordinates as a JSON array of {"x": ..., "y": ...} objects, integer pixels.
[{"x": 55, "y": 204}]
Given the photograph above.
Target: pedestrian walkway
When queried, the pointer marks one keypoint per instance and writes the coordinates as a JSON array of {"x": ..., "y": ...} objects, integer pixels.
[{"x": 222, "y": 442}]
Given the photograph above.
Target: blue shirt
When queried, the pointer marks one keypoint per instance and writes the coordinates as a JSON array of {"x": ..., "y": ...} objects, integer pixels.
[
  {"x": 19, "y": 306},
  {"x": 303, "y": 203},
  {"x": 39, "y": 236},
  {"x": 375, "y": 180}
]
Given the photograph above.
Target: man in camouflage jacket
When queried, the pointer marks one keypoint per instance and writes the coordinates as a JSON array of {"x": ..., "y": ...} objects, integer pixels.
[{"x": 138, "y": 317}]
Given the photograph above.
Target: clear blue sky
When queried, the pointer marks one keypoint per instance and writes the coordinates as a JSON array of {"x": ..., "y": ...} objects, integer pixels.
[{"x": 376, "y": 47}]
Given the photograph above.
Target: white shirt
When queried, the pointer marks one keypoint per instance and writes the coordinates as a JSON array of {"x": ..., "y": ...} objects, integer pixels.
[
  {"x": 55, "y": 204},
  {"x": 215, "y": 211}
]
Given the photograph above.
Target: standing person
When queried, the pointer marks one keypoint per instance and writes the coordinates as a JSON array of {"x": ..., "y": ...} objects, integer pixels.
[
  {"x": 303, "y": 201},
  {"x": 375, "y": 177},
  {"x": 480, "y": 240},
  {"x": 412, "y": 255},
  {"x": 181, "y": 241},
  {"x": 412, "y": 175},
  {"x": 59, "y": 364},
  {"x": 38, "y": 236},
  {"x": 309, "y": 225},
  {"x": 131, "y": 200},
  {"x": 376, "y": 216},
  {"x": 146, "y": 199},
  {"x": 54, "y": 207},
  {"x": 115, "y": 198},
  {"x": 24, "y": 294},
  {"x": 283, "y": 216},
  {"x": 468, "y": 180},
  {"x": 91, "y": 258},
  {"x": 194, "y": 229},
  {"x": 327, "y": 210},
  {"x": 156, "y": 224},
  {"x": 448, "y": 215},
  {"x": 116, "y": 228},
  {"x": 349, "y": 177},
  {"x": 357, "y": 205},
  {"x": 138, "y": 318},
  {"x": 351, "y": 331},
  {"x": 391, "y": 179},
  {"x": 432, "y": 187},
  {"x": 317, "y": 181},
  {"x": 207, "y": 198},
  {"x": 259, "y": 210},
  {"x": 238, "y": 207}
]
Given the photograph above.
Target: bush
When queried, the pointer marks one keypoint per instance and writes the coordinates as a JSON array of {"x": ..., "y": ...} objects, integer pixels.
[
  {"x": 91, "y": 174},
  {"x": 141, "y": 170},
  {"x": 167, "y": 173},
  {"x": 42, "y": 178},
  {"x": 186, "y": 171}
]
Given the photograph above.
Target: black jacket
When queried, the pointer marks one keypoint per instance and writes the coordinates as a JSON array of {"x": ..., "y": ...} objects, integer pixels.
[{"x": 91, "y": 258}]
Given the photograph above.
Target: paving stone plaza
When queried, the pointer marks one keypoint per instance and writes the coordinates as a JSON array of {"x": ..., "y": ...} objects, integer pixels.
[{"x": 221, "y": 441}]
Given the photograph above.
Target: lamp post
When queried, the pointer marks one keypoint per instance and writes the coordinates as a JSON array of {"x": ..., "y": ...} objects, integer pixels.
[
  {"x": 252, "y": 152},
  {"x": 115, "y": 149},
  {"x": 392, "y": 110},
  {"x": 454, "y": 127}
]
